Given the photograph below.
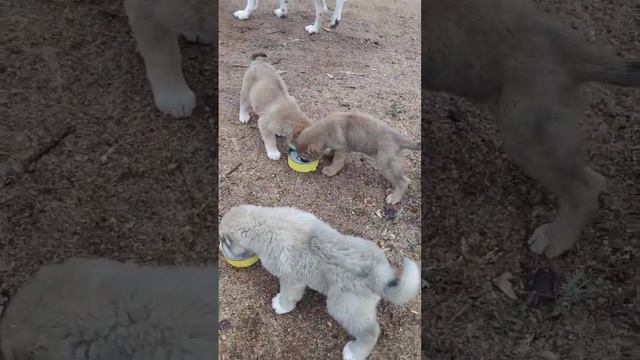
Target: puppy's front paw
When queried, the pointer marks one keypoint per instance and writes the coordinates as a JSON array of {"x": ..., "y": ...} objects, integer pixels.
[
  {"x": 281, "y": 13},
  {"x": 275, "y": 304},
  {"x": 244, "y": 117},
  {"x": 548, "y": 240},
  {"x": 241, "y": 14},
  {"x": 273, "y": 155},
  {"x": 312, "y": 29},
  {"x": 178, "y": 103},
  {"x": 329, "y": 171},
  {"x": 347, "y": 354},
  {"x": 393, "y": 198}
]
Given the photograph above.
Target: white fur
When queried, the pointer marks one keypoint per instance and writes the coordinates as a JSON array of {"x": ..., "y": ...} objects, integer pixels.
[
  {"x": 302, "y": 251},
  {"x": 282, "y": 12}
]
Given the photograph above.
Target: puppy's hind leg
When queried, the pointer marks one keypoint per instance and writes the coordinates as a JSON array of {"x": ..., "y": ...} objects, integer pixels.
[
  {"x": 158, "y": 46},
  {"x": 281, "y": 11},
  {"x": 269, "y": 138},
  {"x": 324, "y": 6},
  {"x": 391, "y": 168},
  {"x": 337, "y": 13},
  {"x": 543, "y": 138},
  {"x": 315, "y": 28},
  {"x": 244, "y": 14},
  {"x": 357, "y": 315},
  {"x": 289, "y": 295}
]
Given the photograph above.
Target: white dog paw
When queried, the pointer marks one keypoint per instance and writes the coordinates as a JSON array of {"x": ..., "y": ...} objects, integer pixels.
[
  {"x": 275, "y": 304},
  {"x": 273, "y": 155},
  {"x": 539, "y": 240},
  {"x": 312, "y": 29},
  {"x": 244, "y": 117},
  {"x": 176, "y": 103},
  {"x": 241, "y": 14},
  {"x": 348, "y": 355},
  {"x": 281, "y": 13}
]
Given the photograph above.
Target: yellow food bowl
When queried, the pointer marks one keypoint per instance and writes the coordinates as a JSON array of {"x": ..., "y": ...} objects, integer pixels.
[
  {"x": 235, "y": 262},
  {"x": 300, "y": 165}
]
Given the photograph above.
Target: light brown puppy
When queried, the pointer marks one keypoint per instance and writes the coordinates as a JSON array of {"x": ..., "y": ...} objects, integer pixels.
[
  {"x": 264, "y": 92},
  {"x": 346, "y": 132},
  {"x": 529, "y": 69}
]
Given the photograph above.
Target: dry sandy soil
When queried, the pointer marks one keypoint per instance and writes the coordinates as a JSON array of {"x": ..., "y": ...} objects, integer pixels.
[
  {"x": 379, "y": 40},
  {"x": 480, "y": 209},
  {"x": 106, "y": 174}
]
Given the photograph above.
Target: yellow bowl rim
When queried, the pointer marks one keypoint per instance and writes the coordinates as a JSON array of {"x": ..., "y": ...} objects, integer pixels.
[
  {"x": 239, "y": 263},
  {"x": 304, "y": 168}
]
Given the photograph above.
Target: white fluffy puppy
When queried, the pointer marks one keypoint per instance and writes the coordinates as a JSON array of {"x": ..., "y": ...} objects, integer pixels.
[
  {"x": 282, "y": 11},
  {"x": 156, "y": 25},
  {"x": 302, "y": 251},
  {"x": 93, "y": 309}
]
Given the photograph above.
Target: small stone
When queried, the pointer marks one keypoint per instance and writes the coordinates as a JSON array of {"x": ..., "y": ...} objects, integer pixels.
[{"x": 224, "y": 325}]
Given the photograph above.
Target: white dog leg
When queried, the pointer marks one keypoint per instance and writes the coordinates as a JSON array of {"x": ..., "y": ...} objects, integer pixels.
[
  {"x": 252, "y": 5},
  {"x": 282, "y": 11},
  {"x": 158, "y": 46},
  {"x": 357, "y": 315},
  {"x": 269, "y": 139},
  {"x": 287, "y": 298},
  {"x": 337, "y": 13},
  {"x": 315, "y": 28},
  {"x": 324, "y": 6}
]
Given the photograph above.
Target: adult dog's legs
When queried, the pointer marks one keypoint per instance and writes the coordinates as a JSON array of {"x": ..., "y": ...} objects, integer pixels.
[
  {"x": 158, "y": 46},
  {"x": 315, "y": 28},
  {"x": 357, "y": 315},
  {"x": 337, "y": 164},
  {"x": 543, "y": 138},
  {"x": 281, "y": 11},
  {"x": 391, "y": 168},
  {"x": 252, "y": 5},
  {"x": 324, "y": 6},
  {"x": 337, "y": 13},
  {"x": 289, "y": 295},
  {"x": 269, "y": 138}
]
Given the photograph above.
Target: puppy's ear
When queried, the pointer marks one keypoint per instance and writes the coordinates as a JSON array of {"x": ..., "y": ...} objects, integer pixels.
[
  {"x": 296, "y": 132},
  {"x": 314, "y": 150}
]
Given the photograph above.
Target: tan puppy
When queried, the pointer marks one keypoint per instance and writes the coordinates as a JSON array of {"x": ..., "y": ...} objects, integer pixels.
[
  {"x": 264, "y": 92},
  {"x": 156, "y": 25},
  {"x": 347, "y": 132},
  {"x": 529, "y": 68}
]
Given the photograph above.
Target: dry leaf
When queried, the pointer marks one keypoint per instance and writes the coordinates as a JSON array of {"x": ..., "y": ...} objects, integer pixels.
[{"x": 502, "y": 282}]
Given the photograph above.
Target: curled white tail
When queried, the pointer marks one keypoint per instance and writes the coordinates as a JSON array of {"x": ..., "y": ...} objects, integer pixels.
[{"x": 400, "y": 291}]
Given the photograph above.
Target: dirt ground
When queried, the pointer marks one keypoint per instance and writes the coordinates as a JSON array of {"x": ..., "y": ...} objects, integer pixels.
[
  {"x": 480, "y": 210},
  {"x": 380, "y": 42},
  {"x": 109, "y": 176}
]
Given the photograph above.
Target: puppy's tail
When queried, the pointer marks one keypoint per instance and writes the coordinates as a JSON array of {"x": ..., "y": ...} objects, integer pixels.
[
  {"x": 257, "y": 55},
  {"x": 615, "y": 72},
  {"x": 400, "y": 290},
  {"x": 406, "y": 143}
]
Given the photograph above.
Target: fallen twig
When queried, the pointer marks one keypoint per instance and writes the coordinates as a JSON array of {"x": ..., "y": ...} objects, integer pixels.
[
  {"x": 352, "y": 73},
  {"x": 27, "y": 164},
  {"x": 233, "y": 170}
]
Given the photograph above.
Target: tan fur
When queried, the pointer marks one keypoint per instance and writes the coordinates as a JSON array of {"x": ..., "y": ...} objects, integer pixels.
[
  {"x": 265, "y": 93},
  {"x": 529, "y": 69},
  {"x": 346, "y": 132},
  {"x": 155, "y": 25}
]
